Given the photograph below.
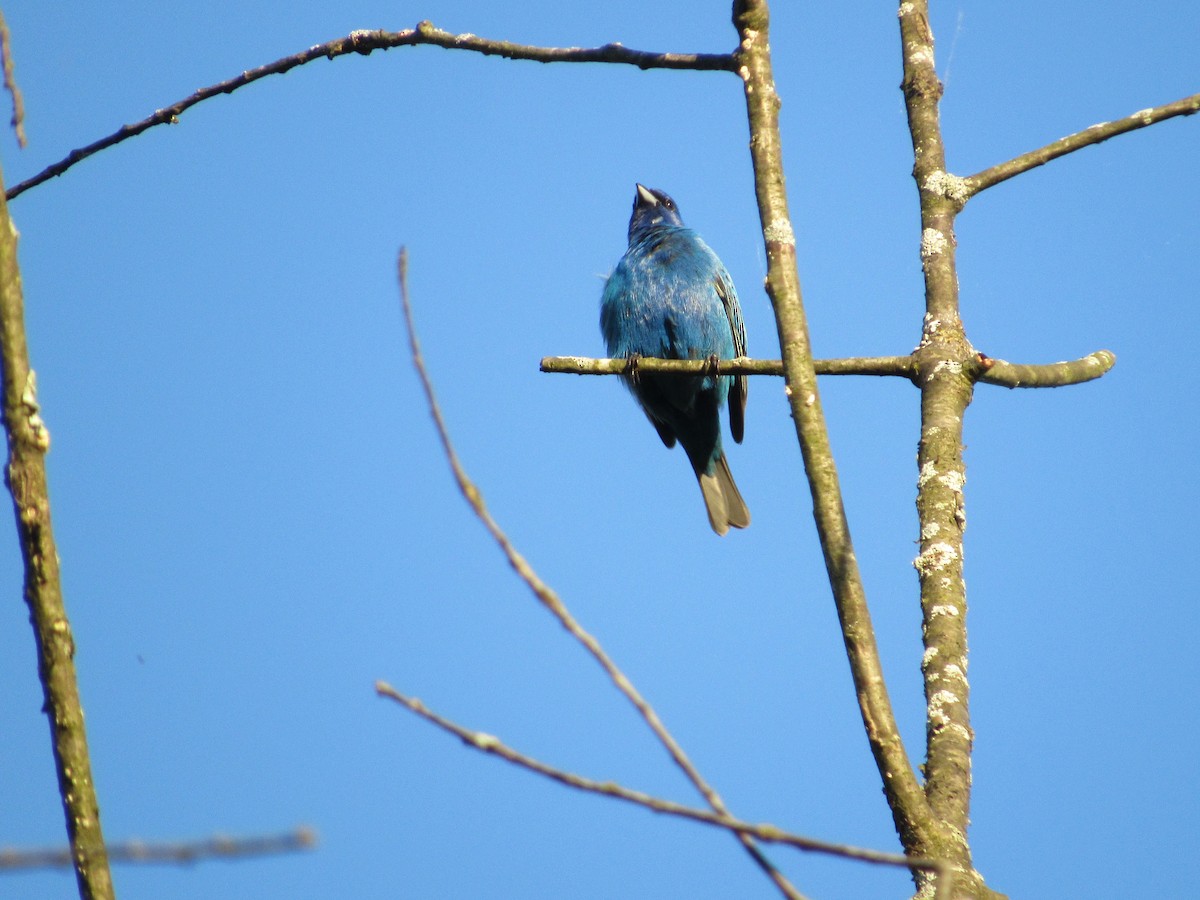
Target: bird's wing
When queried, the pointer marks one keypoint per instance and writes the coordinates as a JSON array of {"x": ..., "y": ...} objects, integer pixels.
[{"x": 741, "y": 383}]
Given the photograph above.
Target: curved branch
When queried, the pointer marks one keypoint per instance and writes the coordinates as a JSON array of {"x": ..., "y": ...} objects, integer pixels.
[
  {"x": 901, "y": 366},
  {"x": 550, "y": 600},
  {"x": 1093, "y": 134},
  {"x": 488, "y": 743},
  {"x": 366, "y": 42},
  {"x": 1059, "y": 374}
]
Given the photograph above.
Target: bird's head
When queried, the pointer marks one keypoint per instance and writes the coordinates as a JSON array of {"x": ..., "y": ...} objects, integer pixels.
[{"x": 651, "y": 208}]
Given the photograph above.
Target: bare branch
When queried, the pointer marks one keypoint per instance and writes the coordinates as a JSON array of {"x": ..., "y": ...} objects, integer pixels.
[
  {"x": 767, "y": 833},
  {"x": 989, "y": 369},
  {"x": 901, "y": 366},
  {"x": 947, "y": 369},
  {"x": 28, "y": 441},
  {"x": 550, "y": 600},
  {"x": 181, "y": 853},
  {"x": 1093, "y": 134},
  {"x": 366, "y": 42},
  {"x": 1059, "y": 374},
  {"x": 904, "y": 794},
  {"x": 10, "y": 83}
]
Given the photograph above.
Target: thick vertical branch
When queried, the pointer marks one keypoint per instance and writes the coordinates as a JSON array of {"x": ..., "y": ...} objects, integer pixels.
[
  {"x": 945, "y": 376},
  {"x": 904, "y": 794},
  {"x": 28, "y": 441}
]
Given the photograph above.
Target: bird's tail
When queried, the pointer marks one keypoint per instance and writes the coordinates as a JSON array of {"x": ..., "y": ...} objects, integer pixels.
[{"x": 722, "y": 498}]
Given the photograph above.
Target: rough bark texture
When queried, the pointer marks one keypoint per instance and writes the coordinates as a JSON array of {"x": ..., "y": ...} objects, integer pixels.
[{"x": 28, "y": 441}]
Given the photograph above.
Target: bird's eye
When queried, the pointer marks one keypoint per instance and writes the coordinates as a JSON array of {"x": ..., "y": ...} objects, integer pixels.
[{"x": 668, "y": 203}]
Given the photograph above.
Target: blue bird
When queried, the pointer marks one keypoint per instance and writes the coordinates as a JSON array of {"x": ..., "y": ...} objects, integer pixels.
[{"x": 670, "y": 297}]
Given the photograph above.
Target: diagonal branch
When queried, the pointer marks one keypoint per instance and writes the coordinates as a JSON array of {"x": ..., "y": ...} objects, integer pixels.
[
  {"x": 490, "y": 744},
  {"x": 184, "y": 853},
  {"x": 904, "y": 795},
  {"x": 366, "y": 42},
  {"x": 901, "y": 366},
  {"x": 28, "y": 441},
  {"x": 1094, "y": 134},
  {"x": 550, "y": 600}
]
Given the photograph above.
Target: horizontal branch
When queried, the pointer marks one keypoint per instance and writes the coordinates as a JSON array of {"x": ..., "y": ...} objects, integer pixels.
[
  {"x": 867, "y": 365},
  {"x": 767, "y": 833},
  {"x": 1059, "y": 374},
  {"x": 991, "y": 371},
  {"x": 366, "y": 42},
  {"x": 1086, "y": 138},
  {"x": 181, "y": 853}
]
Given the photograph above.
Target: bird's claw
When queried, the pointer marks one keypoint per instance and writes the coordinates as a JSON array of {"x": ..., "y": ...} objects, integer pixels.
[{"x": 631, "y": 367}]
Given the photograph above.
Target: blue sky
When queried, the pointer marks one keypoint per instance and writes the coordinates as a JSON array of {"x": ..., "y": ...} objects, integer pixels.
[{"x": 256, "y": 523}]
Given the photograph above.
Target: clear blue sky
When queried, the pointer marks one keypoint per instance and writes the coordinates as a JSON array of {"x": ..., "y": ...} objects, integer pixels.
[{"x": 255, "y": 521}]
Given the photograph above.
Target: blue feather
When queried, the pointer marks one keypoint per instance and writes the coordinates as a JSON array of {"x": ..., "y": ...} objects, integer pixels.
[{"x": 670, "y": 297}]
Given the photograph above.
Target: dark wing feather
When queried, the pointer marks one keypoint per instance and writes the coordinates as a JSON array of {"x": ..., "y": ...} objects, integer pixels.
[{"x": 741, "y": 383}]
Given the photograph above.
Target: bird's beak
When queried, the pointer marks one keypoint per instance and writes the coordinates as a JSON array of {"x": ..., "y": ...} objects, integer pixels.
[{"x": 645, "y": 197}]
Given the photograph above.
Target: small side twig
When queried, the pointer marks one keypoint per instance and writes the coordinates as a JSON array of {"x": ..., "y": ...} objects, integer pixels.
[
  {"x": 10, "y": 83},
  {"x": 491, "y": 744},
  {"x": 1093, "y": 134},
  {"x": 365, "y": 43},
  {"x": 550, "y": 600},
  {"x": 1059, "y": 374},
  {"x": 181, "y": 853}
]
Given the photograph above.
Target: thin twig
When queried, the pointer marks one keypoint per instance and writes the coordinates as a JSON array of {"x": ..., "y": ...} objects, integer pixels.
[
  {"x": 1059, "y": 374},
  {"x": 489, "y": 743},
  {"x": 180, "y": 853},
  {"x": 1093, "y": 134},
  {"x": 550, "y": 600},
  {"x": 10, "y": 83},
  {"x": 28, "y": 441},
  {"x": 366, "y": 42},
  {"x": 901, "y": 366}
]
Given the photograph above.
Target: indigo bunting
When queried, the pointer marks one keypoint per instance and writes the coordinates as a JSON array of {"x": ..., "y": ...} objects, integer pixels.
[{"x": 670, "y": 297}]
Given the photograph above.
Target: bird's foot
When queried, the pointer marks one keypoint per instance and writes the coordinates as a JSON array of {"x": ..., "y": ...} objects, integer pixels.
[{"x": 631, "y": 367}]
